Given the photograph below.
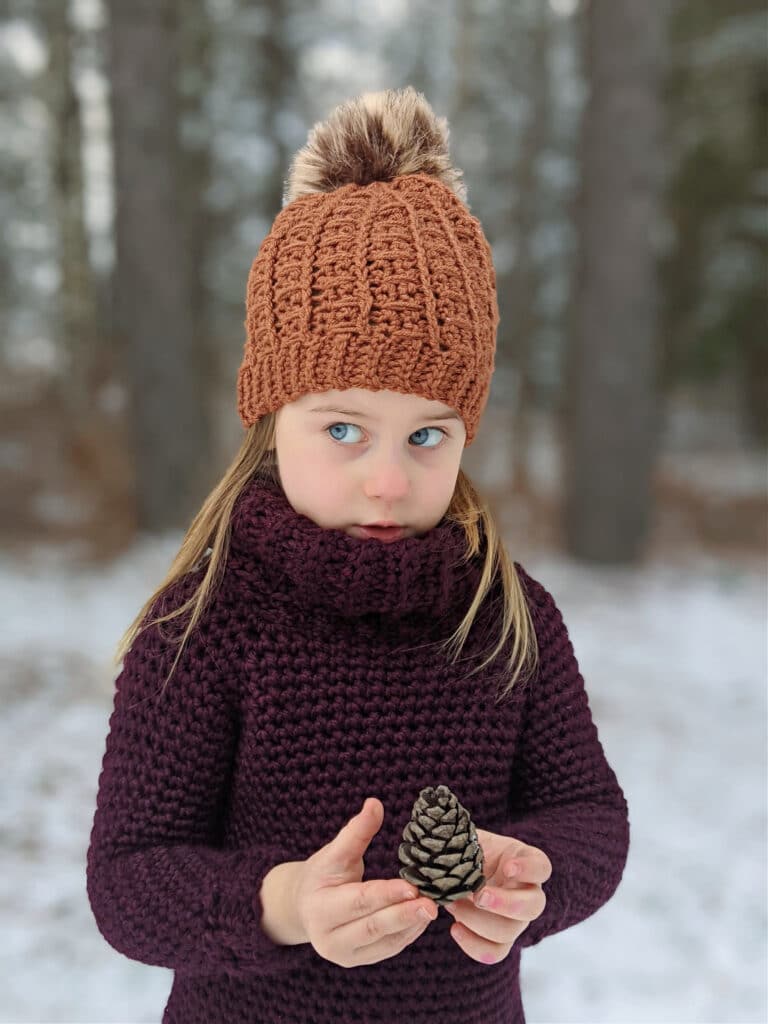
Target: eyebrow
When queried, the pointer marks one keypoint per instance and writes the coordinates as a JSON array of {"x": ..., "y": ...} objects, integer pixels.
[{"x": 450, "y": 415}]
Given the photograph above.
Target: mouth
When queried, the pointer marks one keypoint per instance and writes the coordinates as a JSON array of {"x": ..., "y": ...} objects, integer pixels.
[{"x": 388, "y": 534}]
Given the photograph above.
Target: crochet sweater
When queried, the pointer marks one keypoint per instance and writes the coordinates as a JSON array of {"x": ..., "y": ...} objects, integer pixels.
[{"x": 312, "y": 682}]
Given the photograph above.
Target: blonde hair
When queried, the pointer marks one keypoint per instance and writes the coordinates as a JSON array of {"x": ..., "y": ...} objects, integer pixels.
[{"x": 207, "y": 541}]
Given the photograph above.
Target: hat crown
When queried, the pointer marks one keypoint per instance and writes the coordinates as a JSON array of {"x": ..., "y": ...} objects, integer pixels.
[{"x": 380, "y": 283}]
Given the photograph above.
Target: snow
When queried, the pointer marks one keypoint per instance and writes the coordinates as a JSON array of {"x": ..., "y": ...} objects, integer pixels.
[{"x": 674, "y": 656}]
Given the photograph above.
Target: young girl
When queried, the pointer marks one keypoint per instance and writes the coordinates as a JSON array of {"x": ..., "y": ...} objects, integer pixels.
[{"x": 353, "y": 632}]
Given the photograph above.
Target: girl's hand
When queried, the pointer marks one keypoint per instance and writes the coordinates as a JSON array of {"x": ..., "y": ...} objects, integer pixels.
[
  {"x": 487, "y": 933},
  {"x": 348, "y": 921}
]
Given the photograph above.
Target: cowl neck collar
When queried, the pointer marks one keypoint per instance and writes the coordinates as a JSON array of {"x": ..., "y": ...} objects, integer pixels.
[{"x": 318, "y": 566}]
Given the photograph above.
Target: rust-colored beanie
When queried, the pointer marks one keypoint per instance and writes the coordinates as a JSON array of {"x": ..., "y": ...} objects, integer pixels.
[{"x": 375, "y": 274}]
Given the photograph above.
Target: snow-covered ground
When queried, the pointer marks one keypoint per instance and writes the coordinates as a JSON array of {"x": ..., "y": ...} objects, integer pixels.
[{"x": 674, "y": 656}]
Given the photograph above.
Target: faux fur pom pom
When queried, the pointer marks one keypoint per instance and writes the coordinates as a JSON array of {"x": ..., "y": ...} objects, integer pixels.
[{"x": 374, "y": 137}]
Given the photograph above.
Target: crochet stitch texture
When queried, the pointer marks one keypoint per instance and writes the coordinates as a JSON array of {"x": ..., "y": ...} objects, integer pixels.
[
  {"x": 299, "y": 696},
  {"x": 389, "y": 285}
]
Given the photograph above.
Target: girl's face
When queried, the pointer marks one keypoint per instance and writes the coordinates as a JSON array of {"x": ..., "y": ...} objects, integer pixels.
[{"x": 357, "y": 457}]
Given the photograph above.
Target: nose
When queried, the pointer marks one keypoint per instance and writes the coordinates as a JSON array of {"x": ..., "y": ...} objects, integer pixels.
[{"x": 387, "y": 481}]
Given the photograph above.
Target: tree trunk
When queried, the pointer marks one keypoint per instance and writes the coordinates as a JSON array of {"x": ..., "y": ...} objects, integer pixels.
[
  {"x": 610, "y": 414},
  {"x": 276, "y": 86},
  {"x": 203, "y": 229},
  {"x": 525, "y": 278},
  {"x": 90, "y": 439},
  {"x": 155, "y": 306}
]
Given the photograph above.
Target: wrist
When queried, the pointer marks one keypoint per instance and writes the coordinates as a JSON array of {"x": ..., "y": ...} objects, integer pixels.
[{"x": 280, "y": 919}]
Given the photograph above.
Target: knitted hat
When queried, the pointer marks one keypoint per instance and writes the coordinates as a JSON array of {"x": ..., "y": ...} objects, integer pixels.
[{"x": 374, "y": 273}]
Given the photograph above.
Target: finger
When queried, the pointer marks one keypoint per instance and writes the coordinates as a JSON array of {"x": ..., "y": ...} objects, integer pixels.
[
  {"x": 392, "y": 923},
  {"x": 494, "y": 928},
  {"x": 388, "y": 946},
  {"x": 347, "y": 848},
  {"x": 383, "y": 906},
  {"x": 521, "y": 904},
  {"x": 481, "y": 949},
  {"x": 527, "y": 864}
]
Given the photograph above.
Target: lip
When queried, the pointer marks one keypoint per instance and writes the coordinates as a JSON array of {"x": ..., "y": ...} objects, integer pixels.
[{"x": 387, "y": 534}]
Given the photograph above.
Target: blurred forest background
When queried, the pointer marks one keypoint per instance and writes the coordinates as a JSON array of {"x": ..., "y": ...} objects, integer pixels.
[{"x": 616, "y": 154}]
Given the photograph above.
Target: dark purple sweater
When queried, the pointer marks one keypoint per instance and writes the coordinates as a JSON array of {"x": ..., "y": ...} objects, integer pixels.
[{"x": 309, "y": 686}]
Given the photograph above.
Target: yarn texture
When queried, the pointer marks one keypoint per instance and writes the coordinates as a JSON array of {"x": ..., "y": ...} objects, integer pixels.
[
  {"x": 389, "y": 285},
  {"x": 309, "y": 685}
]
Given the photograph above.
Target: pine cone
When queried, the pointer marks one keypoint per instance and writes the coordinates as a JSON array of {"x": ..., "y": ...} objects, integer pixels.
[{"x": 441, "y": 855}]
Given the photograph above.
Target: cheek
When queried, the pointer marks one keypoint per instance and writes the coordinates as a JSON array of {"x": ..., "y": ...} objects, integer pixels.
[
  {"x": 309, "y": 481},
  {"x": 445, "y": 478}
]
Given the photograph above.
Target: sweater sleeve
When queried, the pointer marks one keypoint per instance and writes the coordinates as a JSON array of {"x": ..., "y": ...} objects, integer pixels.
[
  {"x": 161, "y": 888},
  {"x": 564, "y": 796}
]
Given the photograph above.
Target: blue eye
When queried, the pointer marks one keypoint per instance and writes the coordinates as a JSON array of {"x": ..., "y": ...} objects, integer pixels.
[
  {"x": 425, "y": 430},
  {"x": 342, "y": 428}
]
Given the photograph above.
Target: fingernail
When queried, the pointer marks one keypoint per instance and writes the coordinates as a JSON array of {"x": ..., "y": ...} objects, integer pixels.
[
  {"x": 484, "y": 899},
  {"x": 424, "y": 914},
  {"x": 511, "y": 870}
]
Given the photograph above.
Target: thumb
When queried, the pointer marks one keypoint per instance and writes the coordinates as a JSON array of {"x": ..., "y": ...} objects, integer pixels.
[{"x": 351, "y": 842}]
